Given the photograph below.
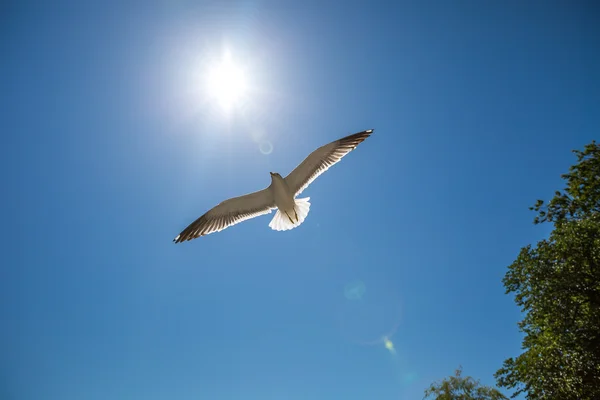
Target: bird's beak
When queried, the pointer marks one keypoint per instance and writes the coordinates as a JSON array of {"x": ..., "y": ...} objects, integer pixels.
[{"x": 271, "y": 173}]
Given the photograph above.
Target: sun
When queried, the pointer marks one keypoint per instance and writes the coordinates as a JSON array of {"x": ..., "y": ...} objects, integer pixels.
[{"x": 226, "y": 82}]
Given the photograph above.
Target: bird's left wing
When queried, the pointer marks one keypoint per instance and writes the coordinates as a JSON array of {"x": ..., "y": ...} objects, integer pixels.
[
  {"x": 321, "y": 159},
  {"x": 228, "y": 213}
]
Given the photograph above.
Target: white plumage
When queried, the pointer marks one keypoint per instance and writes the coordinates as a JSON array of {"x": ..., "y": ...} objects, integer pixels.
[
  {"x": 281, "y": 222},
  {"x": 281, "y": 194}
]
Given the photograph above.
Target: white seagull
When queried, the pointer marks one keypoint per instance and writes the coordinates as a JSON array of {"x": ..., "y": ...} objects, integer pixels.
[{"x": 281, "y": 194}]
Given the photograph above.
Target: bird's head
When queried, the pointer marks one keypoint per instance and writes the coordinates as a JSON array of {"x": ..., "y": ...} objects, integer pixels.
[{"x": 274, "y": 174}]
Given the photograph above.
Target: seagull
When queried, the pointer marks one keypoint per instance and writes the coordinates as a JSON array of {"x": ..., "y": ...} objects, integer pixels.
[{"x": 281, "y": 194}]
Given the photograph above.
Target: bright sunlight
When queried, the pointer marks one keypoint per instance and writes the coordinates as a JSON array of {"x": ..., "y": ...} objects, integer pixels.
[{"x": 226, "y": 82}]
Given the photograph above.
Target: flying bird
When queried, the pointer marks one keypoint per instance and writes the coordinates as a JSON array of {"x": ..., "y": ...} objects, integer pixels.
[{"x": 281, "y": 194}]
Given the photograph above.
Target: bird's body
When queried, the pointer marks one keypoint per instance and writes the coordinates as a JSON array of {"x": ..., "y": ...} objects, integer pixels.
[
  {"x": 281, "y": 194},
  {"x": 291, "y": 212}
]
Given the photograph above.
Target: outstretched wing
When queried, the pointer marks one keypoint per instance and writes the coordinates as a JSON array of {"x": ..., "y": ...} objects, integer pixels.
[
  {"x": 321, "y": 160},
  {"x": 228, "y": 213}
]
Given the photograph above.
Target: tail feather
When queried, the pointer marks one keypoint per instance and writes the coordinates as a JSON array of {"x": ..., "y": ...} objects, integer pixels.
[{"x": 281, "y": 222}]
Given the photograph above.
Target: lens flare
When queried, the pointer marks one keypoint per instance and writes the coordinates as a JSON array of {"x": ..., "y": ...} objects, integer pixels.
[
  {"x": 389, "y": 345},
  {"x": 265, "y": 147},
  {"x": 355, "y": 290}
]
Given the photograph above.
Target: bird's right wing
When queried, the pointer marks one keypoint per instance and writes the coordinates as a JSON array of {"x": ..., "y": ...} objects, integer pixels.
[
  {"x": 228, "y": 213},
  {"x": 321, "y": 159}
]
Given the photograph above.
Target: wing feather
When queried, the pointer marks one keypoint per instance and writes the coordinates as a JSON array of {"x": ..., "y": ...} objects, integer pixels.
[
  {"x": 228, "y": 213},
  {"x": 322, "y": 159}
]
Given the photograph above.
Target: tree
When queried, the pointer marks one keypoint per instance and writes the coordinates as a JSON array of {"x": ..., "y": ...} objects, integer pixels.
[
  {"x": 557, "y": 286},
  {"x": 461, "y": 388}
]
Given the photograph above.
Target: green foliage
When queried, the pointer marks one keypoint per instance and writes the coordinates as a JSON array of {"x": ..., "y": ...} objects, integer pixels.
[
  {"x": 581, "y": 197},
  {"x": 461, "y": 388},
  {"x": 557, "y": 286}
]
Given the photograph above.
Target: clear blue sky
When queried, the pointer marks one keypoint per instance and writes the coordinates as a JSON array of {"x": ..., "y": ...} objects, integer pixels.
[{"x": 109, "y": 149}]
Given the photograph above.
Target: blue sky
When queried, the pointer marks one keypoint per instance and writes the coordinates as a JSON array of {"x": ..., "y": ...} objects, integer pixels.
[{"x": 110, "y": 148}]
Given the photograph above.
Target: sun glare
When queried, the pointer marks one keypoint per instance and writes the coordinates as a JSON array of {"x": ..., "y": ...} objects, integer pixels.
[{"x": 227, "y": 82}]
